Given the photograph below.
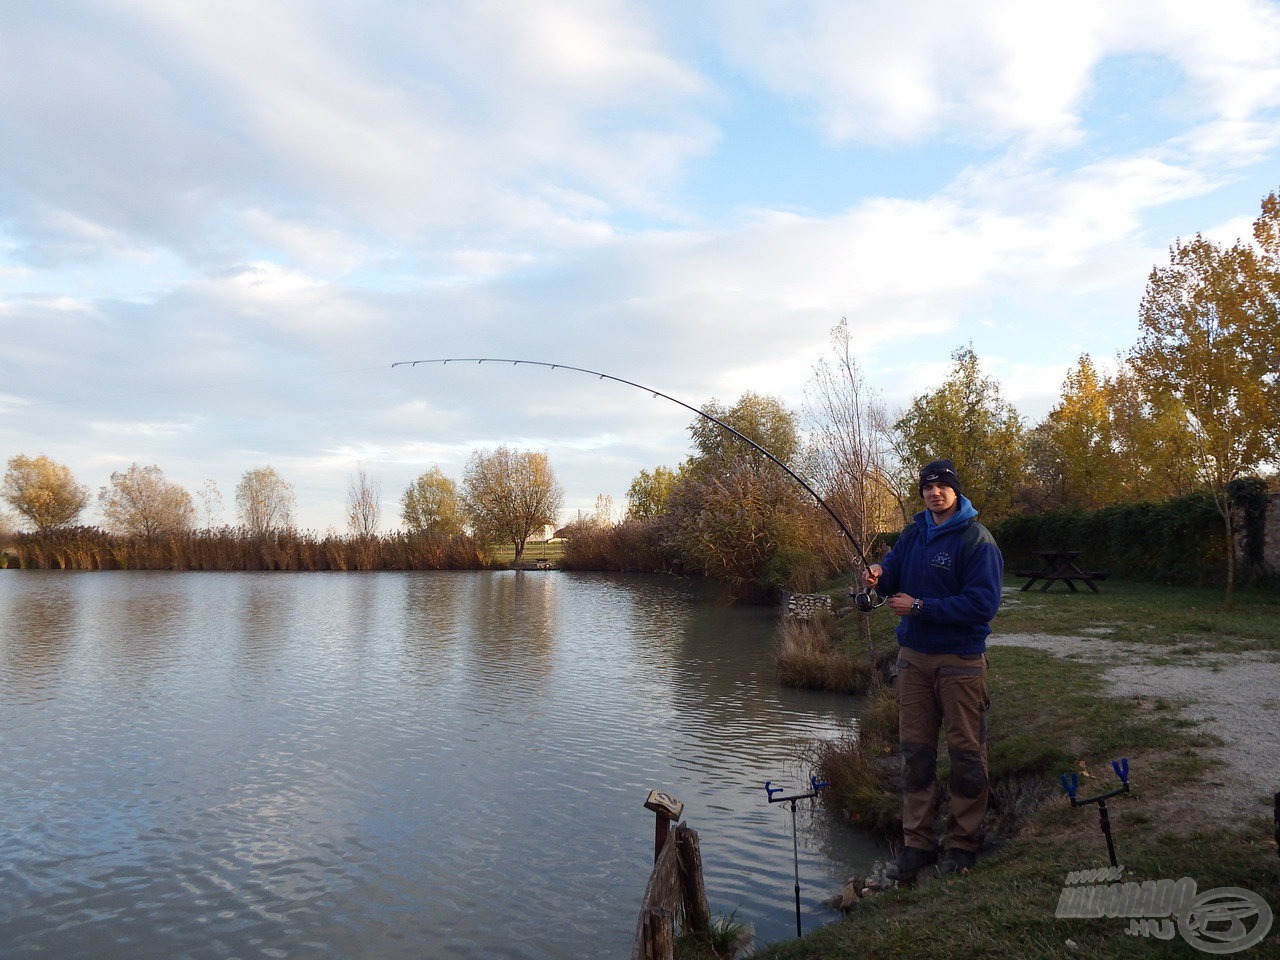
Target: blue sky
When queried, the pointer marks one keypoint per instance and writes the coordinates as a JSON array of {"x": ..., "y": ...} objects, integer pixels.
[{"x": 222, "y": 222}]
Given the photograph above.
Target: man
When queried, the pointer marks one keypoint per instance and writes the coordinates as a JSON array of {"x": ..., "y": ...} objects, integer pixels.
[{"x": 943, "y": 578}]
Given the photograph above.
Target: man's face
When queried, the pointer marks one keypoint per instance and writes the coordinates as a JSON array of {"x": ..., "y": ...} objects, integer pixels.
[{"x": 939, "y": 498}]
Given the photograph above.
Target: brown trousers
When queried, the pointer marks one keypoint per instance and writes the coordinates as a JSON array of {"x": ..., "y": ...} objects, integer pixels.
[{"x": 936, "y": 693}]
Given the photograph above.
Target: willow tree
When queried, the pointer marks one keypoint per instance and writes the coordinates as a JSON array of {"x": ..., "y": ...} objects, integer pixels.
[
  {"x": 967, "y": 421},
  {"x": 508, "y": 494},
  {"x": 43, "y": 492},
  {"x": 1208, "y": 351},
  {"x": 142, "y": 502}
]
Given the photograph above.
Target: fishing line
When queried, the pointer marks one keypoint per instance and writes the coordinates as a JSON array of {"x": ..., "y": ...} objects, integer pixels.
[{"x": 844, "y": 530}]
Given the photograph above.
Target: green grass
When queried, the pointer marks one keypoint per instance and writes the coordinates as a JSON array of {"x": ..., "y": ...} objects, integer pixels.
[
  {"x": 1147, "y": 613},
  {"x": 1050, "y": 715}
]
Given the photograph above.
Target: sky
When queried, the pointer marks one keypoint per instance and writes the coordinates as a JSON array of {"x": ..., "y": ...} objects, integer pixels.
[{"x": 223, "y": 222}]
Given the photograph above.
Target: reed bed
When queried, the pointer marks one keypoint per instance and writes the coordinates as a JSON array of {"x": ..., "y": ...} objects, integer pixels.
[{"x": 88, "y": 548}]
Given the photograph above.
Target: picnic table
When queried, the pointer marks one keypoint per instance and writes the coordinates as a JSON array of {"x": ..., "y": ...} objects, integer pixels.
[{"x": 1060, "y": 566}]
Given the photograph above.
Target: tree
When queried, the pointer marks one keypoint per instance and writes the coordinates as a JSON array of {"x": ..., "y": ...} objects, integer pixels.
[
  {"x": 649, "y": 491},
  {"x": 509, "y": 494},
  {"x": 210, "y": 503},
  {"x": 735, "y": 515},
  {"x": 264, "y": 501},
  {"x": 1079, "y": 461},
  {"x": 968, "y": 422},
  {"x": 43, "y": 492},
  {"x": 762, "y": 419},
  {"x": 1207, "y": 352},
  {"x": 1154, "y": 452},
  {"x": 850, "y": 433},
  {"x": 603, "y": 516},
  {"x": 364, "y": 505},
  {"x": 433, "y": 505},
  {"x": 140, "y": 502}
]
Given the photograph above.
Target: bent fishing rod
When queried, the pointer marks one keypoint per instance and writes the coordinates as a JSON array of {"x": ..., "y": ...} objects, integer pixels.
[{"x": 853, "y": 541}]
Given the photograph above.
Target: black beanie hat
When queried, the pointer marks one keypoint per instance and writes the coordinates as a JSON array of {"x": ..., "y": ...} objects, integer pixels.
[{"x": 941, "y": 471}]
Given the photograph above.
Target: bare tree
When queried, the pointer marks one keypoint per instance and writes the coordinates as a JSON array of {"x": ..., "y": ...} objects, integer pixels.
[
  {"x": 364, "y": 505},
  {"x": 43, "y": 492},
  {"x": 852, "y": 449},
  {"x": 210, "y": 503},
  {"x": 264, "y": 501},
  {"x": 853, "y": 454}
]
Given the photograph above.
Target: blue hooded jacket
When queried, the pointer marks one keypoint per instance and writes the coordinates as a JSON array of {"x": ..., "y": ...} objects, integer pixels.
[{"x": 957, "y": 576}]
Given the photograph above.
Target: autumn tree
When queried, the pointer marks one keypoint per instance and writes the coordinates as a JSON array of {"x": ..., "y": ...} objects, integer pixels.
[
  {"x": 264, "y": 501},
  {"x": 1207, "y": 353},
  {"x": 43, "y": 492},
  {"x": 1076, "y": 458},
  {"x": 364, "y": 505},
  {"x": 733, "y": 514},
  {"x": 1154, "y": 452},
  {"x": 967, "y": 421},
  {"x": 510, "y": 494},
  {"x": 141, "y": 502},
  {"x": 649, "y": 491},
  {"x": 432, "y": 504}
]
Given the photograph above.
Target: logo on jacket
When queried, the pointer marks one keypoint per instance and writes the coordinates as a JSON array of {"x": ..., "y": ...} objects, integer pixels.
[{"x": 941, "y": 560}]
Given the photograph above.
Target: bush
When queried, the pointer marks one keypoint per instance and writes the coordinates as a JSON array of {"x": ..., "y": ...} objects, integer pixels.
[{"x": 1177, "y": 542}]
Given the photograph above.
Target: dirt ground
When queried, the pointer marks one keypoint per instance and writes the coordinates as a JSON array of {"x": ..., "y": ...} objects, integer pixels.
[{"x": 1234, "y": 696}]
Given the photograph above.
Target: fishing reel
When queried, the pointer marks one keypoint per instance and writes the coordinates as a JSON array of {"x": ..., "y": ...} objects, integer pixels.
[{"x": 866, "y": 599}]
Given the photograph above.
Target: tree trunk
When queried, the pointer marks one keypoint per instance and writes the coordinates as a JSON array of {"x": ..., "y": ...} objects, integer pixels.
[{"x": 1231, "y": 556}]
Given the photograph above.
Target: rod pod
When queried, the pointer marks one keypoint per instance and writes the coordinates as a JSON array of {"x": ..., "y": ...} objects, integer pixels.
[{"x": 1071, "y": 784}]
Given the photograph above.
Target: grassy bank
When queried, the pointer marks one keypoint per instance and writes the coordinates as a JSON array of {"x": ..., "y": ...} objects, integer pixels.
[{"x": 1051, "y": 715}]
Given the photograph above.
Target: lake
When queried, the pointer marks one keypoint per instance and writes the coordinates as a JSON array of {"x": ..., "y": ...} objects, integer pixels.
[{"x": 391, "y": 765}]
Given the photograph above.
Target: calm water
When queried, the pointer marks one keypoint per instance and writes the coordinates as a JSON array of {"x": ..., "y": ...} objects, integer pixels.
[{"x": 388, "y": 765}]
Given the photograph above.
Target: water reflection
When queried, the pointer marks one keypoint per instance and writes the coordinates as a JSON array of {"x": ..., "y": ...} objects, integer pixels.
[{"x": 386, "y": 765}]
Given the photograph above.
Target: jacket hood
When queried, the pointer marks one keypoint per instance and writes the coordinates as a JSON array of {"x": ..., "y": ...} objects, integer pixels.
[{"x": 965, "y": 512}]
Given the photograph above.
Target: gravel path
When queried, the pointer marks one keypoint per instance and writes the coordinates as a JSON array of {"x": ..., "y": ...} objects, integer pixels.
[{"x": 1235, "y": 696}]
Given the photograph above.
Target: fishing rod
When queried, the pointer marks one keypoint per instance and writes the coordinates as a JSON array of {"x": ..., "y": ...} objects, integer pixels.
[{"x": 844, "y": 530}]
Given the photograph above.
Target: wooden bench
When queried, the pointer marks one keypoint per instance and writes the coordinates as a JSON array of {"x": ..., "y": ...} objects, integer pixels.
[{"x": 1060, "y": 566}]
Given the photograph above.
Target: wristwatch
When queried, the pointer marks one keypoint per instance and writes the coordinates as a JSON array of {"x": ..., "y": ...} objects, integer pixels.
[{"x": 917, "y": 606}]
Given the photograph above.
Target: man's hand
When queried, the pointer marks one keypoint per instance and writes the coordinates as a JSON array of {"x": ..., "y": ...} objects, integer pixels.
[
  {"x": 871, "y": 575},
  {"x": 900, "y": 603}
]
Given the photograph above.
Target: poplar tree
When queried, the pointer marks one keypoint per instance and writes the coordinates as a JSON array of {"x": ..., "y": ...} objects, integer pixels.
[
  {"x": 967, "y": 421},
  {"x": 1207, "y": 353}
]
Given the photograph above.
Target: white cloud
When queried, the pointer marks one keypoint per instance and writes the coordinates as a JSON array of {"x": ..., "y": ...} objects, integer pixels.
[{"x": 989, "y": 70}]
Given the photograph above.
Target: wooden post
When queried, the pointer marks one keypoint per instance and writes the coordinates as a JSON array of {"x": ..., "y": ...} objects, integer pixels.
[
  {"x": 666, "y": 808},
  {"x": 693, "y": 889},
  {"x": 660, "y": 934}
]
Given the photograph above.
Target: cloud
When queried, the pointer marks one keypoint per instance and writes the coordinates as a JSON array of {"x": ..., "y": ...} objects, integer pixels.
[{"x": 988, "y": 71}]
